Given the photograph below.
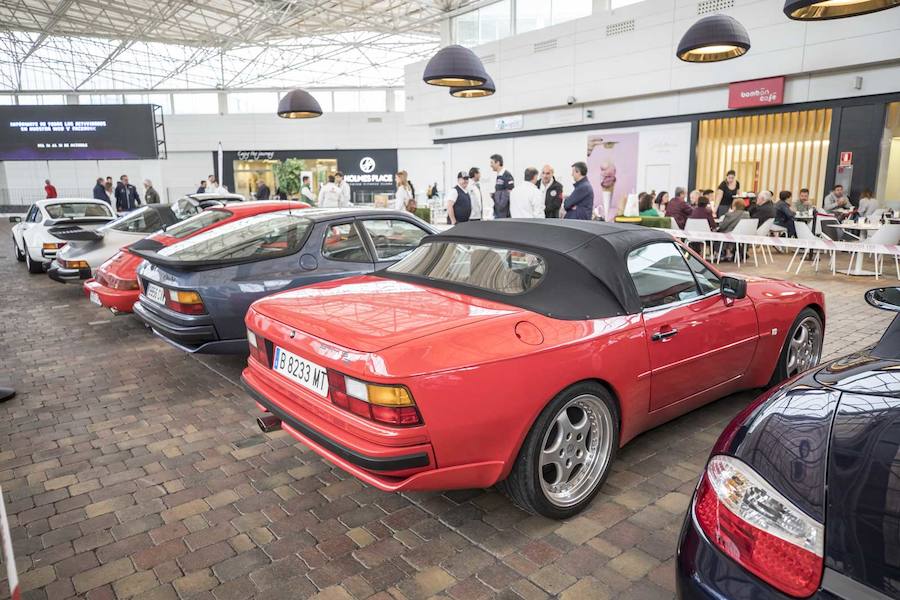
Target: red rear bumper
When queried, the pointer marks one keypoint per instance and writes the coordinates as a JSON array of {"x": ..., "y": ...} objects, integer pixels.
[
  {"x": 398, "y": 459},
  {"x": 120, "y": 301}
]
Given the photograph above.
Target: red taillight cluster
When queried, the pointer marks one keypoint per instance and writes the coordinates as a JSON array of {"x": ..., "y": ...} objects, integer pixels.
[
  {"x": 390, "y": 404},
  {"x": 748, "y": 520},
  {"x": 111, "y": 281},
  {"x": 257, "y": 347},
  {"x": 185, "y": 302}
]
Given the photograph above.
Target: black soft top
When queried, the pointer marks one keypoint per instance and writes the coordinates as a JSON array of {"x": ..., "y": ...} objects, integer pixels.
[{"x": 587, "y": 275}]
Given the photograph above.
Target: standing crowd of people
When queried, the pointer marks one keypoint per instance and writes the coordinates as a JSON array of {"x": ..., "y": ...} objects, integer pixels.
[
  {"x": 124, "y": 197},
  {"x": 539, "y": 196}
]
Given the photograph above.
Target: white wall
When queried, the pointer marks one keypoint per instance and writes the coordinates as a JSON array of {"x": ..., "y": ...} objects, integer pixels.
[
  {"x": 660, "y": 145},
  {"x": 192, "y": 139},
  {"x": 636, "y": 74}
]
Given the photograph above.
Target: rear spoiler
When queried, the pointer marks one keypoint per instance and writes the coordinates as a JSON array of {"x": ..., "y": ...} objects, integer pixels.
[
  {"x": 74, "y": 233},
  {"x": 78, "y": 221},
  {"x": 153, "y": 257}
]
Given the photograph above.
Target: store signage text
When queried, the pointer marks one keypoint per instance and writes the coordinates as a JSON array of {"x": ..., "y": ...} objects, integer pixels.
[
  {"x": 759, "y": 92},
  {"x": 367, "y": 165},
  {"x": 256, "y": 155},
  {"x": 510, "y": 122}
]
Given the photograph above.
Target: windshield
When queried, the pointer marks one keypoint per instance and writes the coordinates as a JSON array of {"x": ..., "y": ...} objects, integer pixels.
[
  {"x": 77, "y": 210},
  {"x": 142, "y": 220},
  {"x": 500, "y": 270},
  {"x": 198, "y": 222},
  {"x": 266, "y": 235},
  {"x": 185, "y": 207}
]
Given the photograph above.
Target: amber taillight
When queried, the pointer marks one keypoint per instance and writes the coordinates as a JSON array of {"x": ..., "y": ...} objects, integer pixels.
[{"x": 390, "y": 404}]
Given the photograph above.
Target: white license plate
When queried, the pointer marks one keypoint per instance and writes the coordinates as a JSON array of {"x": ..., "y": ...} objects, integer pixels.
[
  {"x": 156, "y": 293},
  {"x": 301, "y": 371},
  {"x": 95, "y": 299}
]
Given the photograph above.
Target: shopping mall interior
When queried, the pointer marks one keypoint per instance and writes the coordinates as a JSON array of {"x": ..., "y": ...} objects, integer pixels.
[{"x": 460, "y": 299}]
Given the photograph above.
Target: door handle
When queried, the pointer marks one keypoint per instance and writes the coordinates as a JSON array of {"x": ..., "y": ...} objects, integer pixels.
[{"x": 662, "y": 336}]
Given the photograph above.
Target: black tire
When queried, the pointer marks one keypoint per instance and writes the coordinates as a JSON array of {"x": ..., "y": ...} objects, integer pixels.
[
  {"x": 33, "y": 267},
  {"x": 20, "y": 256},
  {"x": 525, "y": 485},
  {"x": 782, "y": 369}
]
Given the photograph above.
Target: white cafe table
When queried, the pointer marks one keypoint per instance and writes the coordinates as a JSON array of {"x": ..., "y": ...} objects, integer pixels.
[{"x": 864, "y": 230}]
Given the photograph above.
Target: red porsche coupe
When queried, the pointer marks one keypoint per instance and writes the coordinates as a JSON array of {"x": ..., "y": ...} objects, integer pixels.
[{"x": 518, "y": 351}]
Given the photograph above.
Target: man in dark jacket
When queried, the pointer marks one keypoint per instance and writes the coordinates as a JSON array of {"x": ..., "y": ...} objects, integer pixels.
[
  {"x": 99, "y": 191},
  {"x": 784, "y": 215},
  {"x": 553, "y": 193},
  {"x": 502, "y": 187},
  {"x": 580, "y": 203},
  {"x": 262, "y": 191},
  {"x": 127, "y": 198},
  {"x": 764, "y": 209},
  {"x": 678, "y": 208}
]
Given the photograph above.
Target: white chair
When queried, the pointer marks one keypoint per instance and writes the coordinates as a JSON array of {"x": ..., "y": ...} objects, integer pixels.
[
  {"x": 805, "y": 235},
  {"x": 698, "y": 226},
  {"x": 888, "y": 235},
  {"x": 745, "y": 227},
  {"x": 765, "y": 231}
]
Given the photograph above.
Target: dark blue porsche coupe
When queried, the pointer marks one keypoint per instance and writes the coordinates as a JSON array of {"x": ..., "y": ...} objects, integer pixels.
[
  {"x": 801, "y": 494},
  {"x": 194, "y": 294}
]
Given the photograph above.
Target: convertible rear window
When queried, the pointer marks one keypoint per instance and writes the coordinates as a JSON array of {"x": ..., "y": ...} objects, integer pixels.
[
  {"x": 259, "y": 236},
  {"x": 77, "y": 210},
  {"x": 198, "y": 222},
  {"x": 500, "y": 270}
]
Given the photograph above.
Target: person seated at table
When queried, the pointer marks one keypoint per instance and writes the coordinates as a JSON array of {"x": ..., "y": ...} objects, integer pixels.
[
  {"x": 784, "y": 216},
  {"x": 678, "y": 208},
  {"x": 693, "y": 197},
  {"x": 662, "y": 199},
  {"x": 868, "y": 204},
  {"x": 645, "y": 205},
  {"x": 836, "y": 202},
  {"x": 737, "y": 212},
  {"x": 763, "y": 210},
  {"x": 803, "y": 203},
  {"x": 704, "y": 211}
]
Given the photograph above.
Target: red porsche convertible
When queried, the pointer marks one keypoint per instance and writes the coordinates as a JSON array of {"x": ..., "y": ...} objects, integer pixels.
[
  {"x": 518, "y": 351},
  {"x": 115, "y": 286}
]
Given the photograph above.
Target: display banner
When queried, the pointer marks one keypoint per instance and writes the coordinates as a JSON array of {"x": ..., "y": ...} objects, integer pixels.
[
  {"x": 756, "y": 93},
  {"x": 612, "y": 160},
  {"x": 95, "y": 132}
]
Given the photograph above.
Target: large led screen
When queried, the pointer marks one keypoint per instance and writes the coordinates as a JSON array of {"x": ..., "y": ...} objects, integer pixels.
[{"x": 95, "y": 132}]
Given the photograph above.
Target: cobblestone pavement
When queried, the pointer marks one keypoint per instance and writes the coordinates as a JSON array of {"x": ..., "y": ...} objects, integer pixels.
[{"x": 133, "y": 470}]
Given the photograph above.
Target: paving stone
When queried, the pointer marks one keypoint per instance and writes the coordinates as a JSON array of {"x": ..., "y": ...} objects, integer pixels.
[{"x": 102, "y": 575}]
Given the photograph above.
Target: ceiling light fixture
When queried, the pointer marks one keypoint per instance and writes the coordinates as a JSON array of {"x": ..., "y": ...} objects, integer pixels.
[
  {"x": 810, "y": 10},
  {"x": 299, "y": 104},
  {"x": 476, "y": 91},
  {"x": 712, "y": 39},
  {"x": 454, "y": 66}
]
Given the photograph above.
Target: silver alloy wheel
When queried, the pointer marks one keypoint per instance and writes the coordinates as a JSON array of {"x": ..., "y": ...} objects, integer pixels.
[
  {"x": 575, "y": 450},
  {"x": 804, "y": 347}
]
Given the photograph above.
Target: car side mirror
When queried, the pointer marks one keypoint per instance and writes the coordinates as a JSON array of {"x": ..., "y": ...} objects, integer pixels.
[
  {"x": 887, "y": 298},
  {"x": 15, "y": 219},
  {"x": 734, "y": 288}
]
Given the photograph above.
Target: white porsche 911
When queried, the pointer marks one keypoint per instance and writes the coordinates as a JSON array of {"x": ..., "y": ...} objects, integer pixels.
[
  {"x": 87, "y": 248},
  {"x": 35, "y": 245}
]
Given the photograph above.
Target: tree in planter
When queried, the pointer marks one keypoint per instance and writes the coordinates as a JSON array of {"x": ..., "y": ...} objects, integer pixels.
[{"x": 288, "y": 174}]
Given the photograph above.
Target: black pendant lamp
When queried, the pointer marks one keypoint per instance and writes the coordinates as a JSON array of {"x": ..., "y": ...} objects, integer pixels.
[
  {"x": 713, "y": 39},
  {"x": 454, "y": 66},
  {"x": 476, "y": 91},
  {"x": 811, "y": 10},
  {"x": 299, "y": 104}
]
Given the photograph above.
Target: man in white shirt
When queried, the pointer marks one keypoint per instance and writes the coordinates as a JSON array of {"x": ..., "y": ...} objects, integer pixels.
[
  {"x": 330, "y": 194},
  {"x": 345, "y": 189},
  {"x": 306, "y": 191},
  {"x": 479, "y": 212},
  {"x": 213, "y": 186},
  {"x": 527, "y": 201}
]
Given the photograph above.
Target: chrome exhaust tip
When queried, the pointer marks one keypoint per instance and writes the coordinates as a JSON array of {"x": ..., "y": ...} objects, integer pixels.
[{"x": 268, "y": 423}]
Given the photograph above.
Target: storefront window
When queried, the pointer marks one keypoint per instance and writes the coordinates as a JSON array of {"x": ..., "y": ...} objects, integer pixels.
[
  {"x": 781, "y": 151},
  {"x": 889, "y": 179},
  {"x": 487, "y": 24},
  {"x": 537, "y": 14}
]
